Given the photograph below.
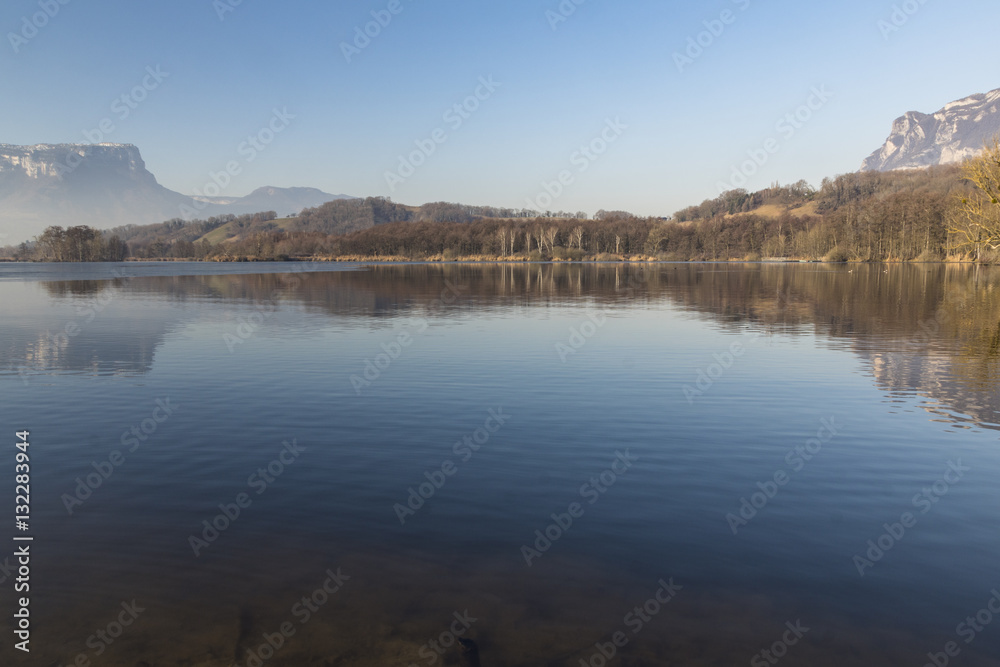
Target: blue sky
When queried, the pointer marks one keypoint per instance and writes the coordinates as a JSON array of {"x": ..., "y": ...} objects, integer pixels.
[{"x": 679, "y": 133}]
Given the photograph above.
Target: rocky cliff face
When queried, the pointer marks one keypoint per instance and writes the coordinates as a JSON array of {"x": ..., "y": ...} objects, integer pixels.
[
  {"x": 101, "y": 185},
  {"x": 953, "y": 134},
  {"x": 60, "y": 161}
]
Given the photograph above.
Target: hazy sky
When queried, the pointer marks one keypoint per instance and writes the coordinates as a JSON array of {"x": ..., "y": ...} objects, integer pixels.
[{"x": 672, "y": 130}]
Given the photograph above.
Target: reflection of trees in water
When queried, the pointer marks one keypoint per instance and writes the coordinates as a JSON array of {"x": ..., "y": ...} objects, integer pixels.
[
  {"x": 933, "y": 328},
  {"x": 891, "y": 303},
  {"x": 71, "y": 288},
  {"x": 973, "y": 321}
]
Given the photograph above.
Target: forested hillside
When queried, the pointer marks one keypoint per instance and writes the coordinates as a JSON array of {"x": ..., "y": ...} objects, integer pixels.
[{"x": 866, "y": 216}]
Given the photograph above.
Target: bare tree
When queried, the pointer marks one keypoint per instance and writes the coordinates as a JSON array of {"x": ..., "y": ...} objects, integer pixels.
[
  {"x": 502, "y": 233},
  {"x": 550, "y": 237},
  {"x": 975, "y": 224},
  {"x": 540, "y": 239}
]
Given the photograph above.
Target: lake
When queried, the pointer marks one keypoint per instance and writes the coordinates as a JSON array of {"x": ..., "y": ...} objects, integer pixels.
[{"x": 571, "y": 464}]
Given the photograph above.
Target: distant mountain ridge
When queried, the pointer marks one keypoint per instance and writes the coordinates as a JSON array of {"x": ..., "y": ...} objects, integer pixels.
[
  {"x": 284, "y": 201},
  {"x": 107, "y": 185},
  {"x": 956, "y": 132}
]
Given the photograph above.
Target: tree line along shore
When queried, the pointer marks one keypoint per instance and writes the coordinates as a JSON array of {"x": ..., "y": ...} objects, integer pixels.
[{"x": 948, "y": 213}]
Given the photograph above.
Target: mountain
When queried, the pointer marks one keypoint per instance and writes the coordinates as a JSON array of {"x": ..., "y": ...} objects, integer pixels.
[
  {"x": 73, "y": 184},
  {"x": 283, "y": 201},
  {"x": 956, "y": 132},
  {"x": 108, "y": 185}
]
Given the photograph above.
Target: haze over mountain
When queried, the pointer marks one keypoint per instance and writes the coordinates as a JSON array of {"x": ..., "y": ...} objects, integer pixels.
[
  {"x": 956, "y": 132},
  {"x": 108, "y": 185}
]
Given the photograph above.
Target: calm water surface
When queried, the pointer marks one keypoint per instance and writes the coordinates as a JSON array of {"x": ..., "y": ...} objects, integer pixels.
[{"x": 785, "y": 444}]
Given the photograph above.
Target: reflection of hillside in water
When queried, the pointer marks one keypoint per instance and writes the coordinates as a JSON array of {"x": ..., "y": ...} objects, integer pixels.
[
  {"x": 932, "y": 330},
  {"x": 86, "y": 328},
  {"x": 91, "y": 352},
  {"x": 950, "y": 396},
  {"x": 952, "y": 358}
]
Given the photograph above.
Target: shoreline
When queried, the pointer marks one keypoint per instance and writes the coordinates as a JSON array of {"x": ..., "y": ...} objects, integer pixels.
[{"x": 639, "y": 259}]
